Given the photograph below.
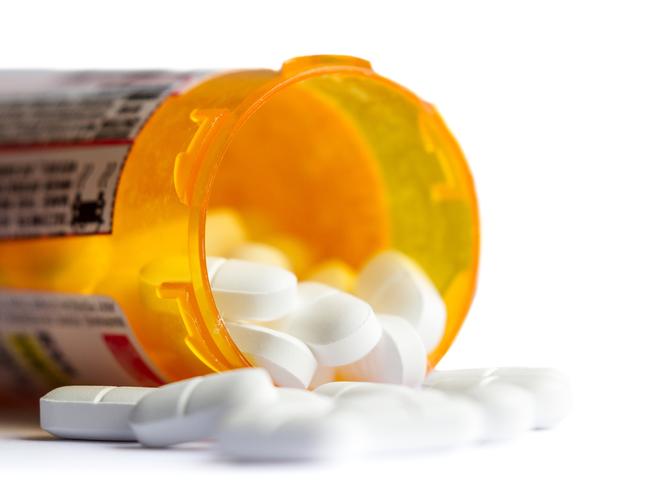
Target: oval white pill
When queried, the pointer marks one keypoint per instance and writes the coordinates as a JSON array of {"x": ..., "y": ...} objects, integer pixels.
[
  {"x": 91, "y": 412},
  {"x": 509, "y": 410},
  {"x": 300, "y": 425},
  {"x": 401, "y": 399},
  {"x": 549, "y": 388},
  {"x": 381, "y": 405},
  {"x": 193, "y": 409},
  {"x": 250, "y": 291},
  {"x": 311, "y": 291},
  {"x": 257, "y": 252},
  {"x": 398, "y": 358},
  {"x": 297, "y": 397},
  {"x": 340, "y": 389},
  {"x": 305, "y": 437},
  {"x": 307, "y": 292},
  {"x": 450, "y": 423},
  {"x": 335, "y": 388},
  {"x": 339, "y": 328},
  {"x": 288, "y": 403},
  {"x": 459, "y": 380},
  {"x": 287, "y": 359},
  {"x": 394, "y": 284},
  {"x": 403, "y": 419}
]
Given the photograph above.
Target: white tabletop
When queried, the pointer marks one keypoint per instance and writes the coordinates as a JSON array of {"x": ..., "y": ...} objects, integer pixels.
[{"x": 567, "y": 454}]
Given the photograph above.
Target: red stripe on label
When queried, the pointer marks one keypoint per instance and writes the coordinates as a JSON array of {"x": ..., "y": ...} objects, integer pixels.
[
  {"x": 64, "y": 144},
  {"x": 128, "y": 357}
]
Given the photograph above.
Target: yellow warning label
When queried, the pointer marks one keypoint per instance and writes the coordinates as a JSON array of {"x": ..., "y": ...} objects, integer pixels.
[{"x": 28, "y": 350}]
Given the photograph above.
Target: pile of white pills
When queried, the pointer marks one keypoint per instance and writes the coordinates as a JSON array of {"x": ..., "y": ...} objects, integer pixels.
[
  {"x": 306, "y": 333},
  {"x": 302, "y": 336}
]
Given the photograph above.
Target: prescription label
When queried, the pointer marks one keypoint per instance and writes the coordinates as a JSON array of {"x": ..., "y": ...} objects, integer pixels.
[
  {"x": 53, "y": 339},
  {"x": 61, "y": 191},
  {"x": 64, "y": 138}
]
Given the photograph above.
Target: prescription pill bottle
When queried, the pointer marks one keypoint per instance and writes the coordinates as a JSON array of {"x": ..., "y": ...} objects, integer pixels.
[{"x": 114, "y": 186}]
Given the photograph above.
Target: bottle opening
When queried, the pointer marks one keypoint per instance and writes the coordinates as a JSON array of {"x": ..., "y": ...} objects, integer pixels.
[{"x": 337, "y": 166}]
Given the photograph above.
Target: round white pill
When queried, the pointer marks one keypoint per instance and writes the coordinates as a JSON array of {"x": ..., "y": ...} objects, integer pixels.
[
  {"x": 250, "y": 291},
  {"x": 394, "y": 284},
  {"x": 91, "y": 412},
  {"x": 287, "y": 359},
  {"x": 194, "y": 409},
  {"x": 339, "y": 328},
  {"x": 257, "y": 252},
  {"x": 398, "y": 358}
]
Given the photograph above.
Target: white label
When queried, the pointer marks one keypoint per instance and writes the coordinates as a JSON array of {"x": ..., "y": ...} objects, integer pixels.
[
  {"x": 53, "y": 339},
  {"x": 60, "y": 191},
  {"x": 64, "y": 137},
  {"x": 73, "y": 107}
]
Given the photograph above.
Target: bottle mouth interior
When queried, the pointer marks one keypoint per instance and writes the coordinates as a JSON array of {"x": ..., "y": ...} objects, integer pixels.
[{"x": 339, "y": 166}]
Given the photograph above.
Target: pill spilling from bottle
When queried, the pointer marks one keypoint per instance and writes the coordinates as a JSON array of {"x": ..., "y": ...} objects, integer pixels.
[
  {"x": 339, "y": 371},
  {"x": 249, "y": 418}
]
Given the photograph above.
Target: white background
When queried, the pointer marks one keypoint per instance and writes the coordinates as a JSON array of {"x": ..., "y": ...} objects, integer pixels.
[{"x": 551, "y": 104}]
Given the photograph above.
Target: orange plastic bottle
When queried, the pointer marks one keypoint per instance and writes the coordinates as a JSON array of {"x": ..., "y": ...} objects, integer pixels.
[{"x": 107, "y": 178}]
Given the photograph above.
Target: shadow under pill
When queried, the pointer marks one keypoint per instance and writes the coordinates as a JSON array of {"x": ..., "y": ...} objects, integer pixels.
[
  {"x": 44, "y": 437},
  {"x": 134, "y": 446}
]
